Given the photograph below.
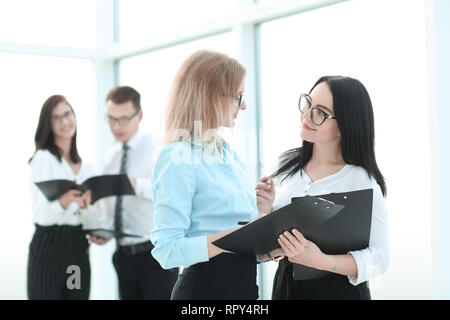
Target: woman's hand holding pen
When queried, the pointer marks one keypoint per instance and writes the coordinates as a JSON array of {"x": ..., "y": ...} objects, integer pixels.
[
  {"x": 265, "y": 195},
  {"x": 98, "y": 240},
  {"x": 275, "y": 255}
]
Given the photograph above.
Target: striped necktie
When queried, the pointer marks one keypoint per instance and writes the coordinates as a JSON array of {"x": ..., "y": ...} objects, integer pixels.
[{"x": 118, "y": 211}]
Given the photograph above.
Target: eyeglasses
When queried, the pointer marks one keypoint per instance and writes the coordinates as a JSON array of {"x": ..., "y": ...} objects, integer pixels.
[
  {"x": 122, "y": 121},
  {"x": 318, "y": 116},
  {"x": 239, "y": 99},
  {"x": 68, "y": 115}
]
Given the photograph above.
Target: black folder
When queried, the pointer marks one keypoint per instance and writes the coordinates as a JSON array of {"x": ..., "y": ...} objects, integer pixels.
[
  {"x": 260, "y": 236},
  {"x": 101, "y": 186},
  {"x": 349, "y": 230},
  {"x": 106, "y": 234}
]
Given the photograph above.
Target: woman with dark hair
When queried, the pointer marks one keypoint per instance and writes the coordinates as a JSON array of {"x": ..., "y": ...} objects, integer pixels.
[
  {"x": 337, "y": 155},
  {"x": 59, "y": 248}
]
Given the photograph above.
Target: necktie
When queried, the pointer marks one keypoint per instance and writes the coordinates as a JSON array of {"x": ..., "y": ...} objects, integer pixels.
[{"x": 118, "y": 211}]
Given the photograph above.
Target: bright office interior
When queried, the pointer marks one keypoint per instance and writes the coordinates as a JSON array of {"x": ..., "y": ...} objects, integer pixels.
[{"x": 398, "y": 49}]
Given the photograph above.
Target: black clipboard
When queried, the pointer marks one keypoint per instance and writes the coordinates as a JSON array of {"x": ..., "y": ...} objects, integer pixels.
[
  {"x": 349, "y": 230},
  {"x": 260, "y": 236},
  {"x": 101, "y": 186}
]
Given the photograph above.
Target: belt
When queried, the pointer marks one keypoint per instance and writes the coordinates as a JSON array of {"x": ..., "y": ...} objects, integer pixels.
[{"x": 134, "y": 249}]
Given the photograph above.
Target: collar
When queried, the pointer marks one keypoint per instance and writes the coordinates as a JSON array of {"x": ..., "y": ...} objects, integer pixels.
[
  {"x": 134, "y": 140},
  {"x": 200, "y": 143}
]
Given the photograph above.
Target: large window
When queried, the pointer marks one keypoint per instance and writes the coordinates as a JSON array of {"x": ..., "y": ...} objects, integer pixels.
[
  {"x": 152, "y": 75},
  {"x": 70, "y": 23},
  {"x": 141, "y": 21},
  {"x": 29, "y": 82},
  {"x": 377, "y": 43}
]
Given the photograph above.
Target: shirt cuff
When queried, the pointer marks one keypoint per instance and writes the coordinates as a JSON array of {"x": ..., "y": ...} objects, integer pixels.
[
  {"x": 144, "y": 188},
  {"x": 56, "y": 208},
  {"x": 72, "y": 208},
  {"x": 196, "y": 250},
  {"x": 55, "y": 212},
  {"x": 362, "y": 272},
  {"x": 181, "y": 252}
]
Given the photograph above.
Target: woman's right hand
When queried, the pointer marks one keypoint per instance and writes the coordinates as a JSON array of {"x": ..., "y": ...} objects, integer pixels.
[
  {"x": 276, "y": 254},
  {"x": 98, "y": 240},
  {"x": 265, "y": 195},
  {"x": 72, "y": 196}
]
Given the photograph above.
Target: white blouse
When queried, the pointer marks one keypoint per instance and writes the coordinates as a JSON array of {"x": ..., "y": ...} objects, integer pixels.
[
  {"x": 371, "y": 261},
  {"x": 45, "y": 166}
]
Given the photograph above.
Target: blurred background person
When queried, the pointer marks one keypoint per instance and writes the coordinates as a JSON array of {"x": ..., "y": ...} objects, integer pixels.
[
  {"x": 140, "y": 275},
  {"x": 58, "y": 241}
]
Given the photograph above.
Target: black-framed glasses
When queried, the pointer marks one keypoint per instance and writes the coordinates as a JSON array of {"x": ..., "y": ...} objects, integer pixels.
[
  {"x": 122, "y": 121},
  {"x": 318, "y": 116},
  {"x": 58, "y": 119},
  {"x": 240, "y": 99}
]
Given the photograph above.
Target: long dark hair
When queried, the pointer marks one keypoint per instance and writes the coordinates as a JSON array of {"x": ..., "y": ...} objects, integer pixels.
[
  {"x": 354, "y": 116},
  {"x": 44, "y": 137}
]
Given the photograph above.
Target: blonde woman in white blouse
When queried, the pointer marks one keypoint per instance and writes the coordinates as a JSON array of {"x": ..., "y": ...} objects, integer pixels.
[
  {"x": 337, "y": 155},
  {"x": 59, "y": 245}
]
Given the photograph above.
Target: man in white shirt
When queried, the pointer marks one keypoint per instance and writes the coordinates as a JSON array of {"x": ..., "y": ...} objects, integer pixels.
[{"x": 140, "y": 275}]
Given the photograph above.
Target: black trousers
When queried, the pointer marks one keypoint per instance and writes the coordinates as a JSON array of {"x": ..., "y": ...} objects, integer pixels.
[
  {"x": 142, "y": 278},
  {"x": 58, "y": 261},
  {"x": 333, "y": 287},
  {"x": 226, "y": 276}
]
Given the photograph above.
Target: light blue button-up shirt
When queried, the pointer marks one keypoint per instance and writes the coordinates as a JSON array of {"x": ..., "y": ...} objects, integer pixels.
[{"x": 196, "y": 192}]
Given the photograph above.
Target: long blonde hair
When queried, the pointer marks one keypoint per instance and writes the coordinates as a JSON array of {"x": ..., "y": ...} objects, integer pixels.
[{"x": 202, "y": 93}]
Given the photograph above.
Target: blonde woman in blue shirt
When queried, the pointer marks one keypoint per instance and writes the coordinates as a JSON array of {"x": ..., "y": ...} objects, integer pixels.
[{"x": 200, "y": 187}]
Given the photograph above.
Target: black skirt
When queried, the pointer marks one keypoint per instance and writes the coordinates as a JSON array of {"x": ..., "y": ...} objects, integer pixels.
[
  {"x": 225, "y": 277},
  {"x": 58, "y": 264},
  {"x": 332, "y": 287}
]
